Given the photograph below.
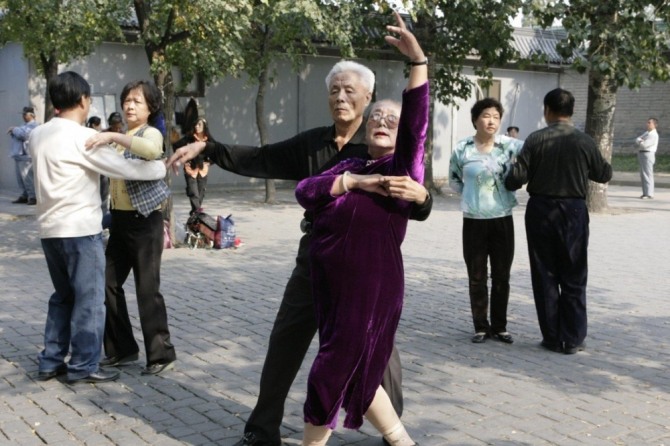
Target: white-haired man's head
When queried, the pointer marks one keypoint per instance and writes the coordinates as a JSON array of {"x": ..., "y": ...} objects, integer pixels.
[
  {"x": 350, "y": 86},
  {"x": 365, "y": 74}
]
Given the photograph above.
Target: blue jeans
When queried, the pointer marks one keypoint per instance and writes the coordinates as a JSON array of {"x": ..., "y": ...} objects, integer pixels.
[
  {"x": 76, "y": 314},
  {"x": 24, "y": 176}
]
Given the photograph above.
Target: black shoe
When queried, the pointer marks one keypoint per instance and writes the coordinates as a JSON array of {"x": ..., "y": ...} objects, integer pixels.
[
  {"x": 480, "y": 337},
  {"x": 115, "y": 361},
  {"x": 557, "y": 348},
  {"x": 249, "y": 439},
  {"x": 572, "y": 349},
  {"x": 32, "y": 202},
  {"x": 21, "y": 200},
  {"x": 505, "y": 337},
  {"x": 46, "y": 375},
  {"x": 157, "y": 368},
  {"x": 101, "y": 376}
]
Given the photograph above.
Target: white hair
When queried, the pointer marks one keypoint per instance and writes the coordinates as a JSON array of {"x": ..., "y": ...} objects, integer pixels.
[{"x": 365, "y": 74}]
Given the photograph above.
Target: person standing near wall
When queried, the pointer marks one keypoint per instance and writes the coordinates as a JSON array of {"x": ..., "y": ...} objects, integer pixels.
[
  {"x": 646, "y": 155},
  {"x": 24, "y": 163},
  {"x": 195, "y": 171},
  {"x": 477, "y": 171}
]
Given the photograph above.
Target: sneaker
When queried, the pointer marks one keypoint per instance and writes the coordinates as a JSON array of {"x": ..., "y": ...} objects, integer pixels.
[
  {"x": 21, "y": 200},
  {"x": 31, "y": 202}
]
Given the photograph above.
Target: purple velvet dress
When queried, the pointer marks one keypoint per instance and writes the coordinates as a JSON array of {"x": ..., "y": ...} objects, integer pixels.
[{"x": 357, "y": 273}]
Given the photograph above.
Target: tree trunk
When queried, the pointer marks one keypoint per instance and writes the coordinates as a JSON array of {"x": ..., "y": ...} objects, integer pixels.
[
  {"x": 165, "y": 85},
  {"x": 429, "y": 179},
  {"x": 270, "y": 190},
  {"x": 600, "y": 126},
  {"x": 50, "y": 68}
]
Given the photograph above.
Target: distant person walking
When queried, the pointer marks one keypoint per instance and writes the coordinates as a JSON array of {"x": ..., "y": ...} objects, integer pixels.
[
  {"x": 557, "y": 162},
  {"x": 646, "y": 155},
  {"x": 24, "y": 163}
]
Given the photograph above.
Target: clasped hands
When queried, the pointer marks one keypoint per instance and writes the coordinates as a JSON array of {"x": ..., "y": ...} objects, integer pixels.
[{"x": 400, "y": 187}]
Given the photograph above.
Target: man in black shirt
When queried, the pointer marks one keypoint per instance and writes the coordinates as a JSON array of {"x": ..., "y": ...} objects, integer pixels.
[
  {"x": 557, "y": 163},
  {"x": 350, "y": 86}
]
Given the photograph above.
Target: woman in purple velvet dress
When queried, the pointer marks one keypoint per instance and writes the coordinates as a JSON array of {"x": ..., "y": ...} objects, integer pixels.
[{"x": 356, "y": 262}]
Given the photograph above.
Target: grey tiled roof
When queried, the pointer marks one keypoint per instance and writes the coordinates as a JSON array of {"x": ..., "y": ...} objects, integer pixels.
[{"x": 530, "y": 41}]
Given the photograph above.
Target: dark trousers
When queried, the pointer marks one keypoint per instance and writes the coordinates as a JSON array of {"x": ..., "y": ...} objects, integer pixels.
[
  {"x": 195, "y": 190},
  {"x": 558, "y": 236},
  {"x": 484, "y": 239},
  {"x": 292, "y": 333},
  {"x": 136, "y": 243}
]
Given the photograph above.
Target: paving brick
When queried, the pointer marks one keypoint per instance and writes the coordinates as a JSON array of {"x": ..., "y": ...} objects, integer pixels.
[{"x": 455, "y": 392}]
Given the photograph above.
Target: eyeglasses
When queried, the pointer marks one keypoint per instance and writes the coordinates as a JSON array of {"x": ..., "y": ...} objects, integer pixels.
[{"x": 392, "y": 121}]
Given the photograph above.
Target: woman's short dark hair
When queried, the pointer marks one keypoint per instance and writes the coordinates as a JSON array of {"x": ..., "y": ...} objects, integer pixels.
[
  {"x": 150, "y": 93},
  {"x": 67, "y": 89},
  {"x": 482, "y": 105},
  {"x": 559, "y": 101}
]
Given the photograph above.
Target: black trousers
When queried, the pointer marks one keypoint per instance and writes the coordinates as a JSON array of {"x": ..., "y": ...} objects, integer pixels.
[
  {"x": 136, "y": 243},
  {"x": 195, "y": 190},
  {"x": 483, "y": 240},
  {"x": 557, "y": 230},
  {"x": 293, "y": 330}
]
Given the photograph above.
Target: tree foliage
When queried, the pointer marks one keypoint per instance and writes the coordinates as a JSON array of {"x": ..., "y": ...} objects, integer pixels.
[
  {"x": 626, "y": 41},
  {"x": 289, "y": 30},
  {"x": 618, "y": 43},
  {"x": 56, "y": 31},
  {"x": 454, "y": 33}
]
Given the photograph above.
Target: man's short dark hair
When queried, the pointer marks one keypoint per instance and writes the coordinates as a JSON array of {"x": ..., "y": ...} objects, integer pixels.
[
  {"x": 67, "y": 89},
  {"x": 560, "y": 102},
  {"x": 513, "y": 127},
  {"x": 482, "y": 105}
]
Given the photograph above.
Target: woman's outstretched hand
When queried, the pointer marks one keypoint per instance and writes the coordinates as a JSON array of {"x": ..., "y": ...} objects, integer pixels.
[{"x": 405, "y": 41}]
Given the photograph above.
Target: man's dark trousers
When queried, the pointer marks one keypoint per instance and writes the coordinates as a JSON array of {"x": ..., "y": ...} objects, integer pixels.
[
  {"x": 557, "y": 230},
  {"x": 292, "y": 333}
]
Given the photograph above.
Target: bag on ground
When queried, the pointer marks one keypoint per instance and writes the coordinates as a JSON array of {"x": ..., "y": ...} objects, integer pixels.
[{"x": 225, "y": 233}]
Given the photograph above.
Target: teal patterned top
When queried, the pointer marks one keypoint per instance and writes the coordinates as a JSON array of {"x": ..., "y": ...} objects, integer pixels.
[{"x": 479, "y": 177}]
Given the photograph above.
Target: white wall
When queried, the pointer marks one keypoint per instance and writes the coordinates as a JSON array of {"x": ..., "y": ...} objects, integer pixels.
[
  {"x": 521, "y": 96},
  {"x": 294, "y": 103},
  {"x": 14, "y": 95}
]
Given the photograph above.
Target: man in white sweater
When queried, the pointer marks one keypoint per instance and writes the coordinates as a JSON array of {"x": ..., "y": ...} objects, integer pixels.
[{"x": 67, "y": 184}]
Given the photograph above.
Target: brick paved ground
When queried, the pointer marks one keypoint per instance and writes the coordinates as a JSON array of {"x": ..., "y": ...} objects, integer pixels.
[{"x": 222, "y": 304}]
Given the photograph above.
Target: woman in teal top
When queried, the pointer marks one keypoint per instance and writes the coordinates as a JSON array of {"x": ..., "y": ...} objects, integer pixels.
[{"x": 477, "y": 171}]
